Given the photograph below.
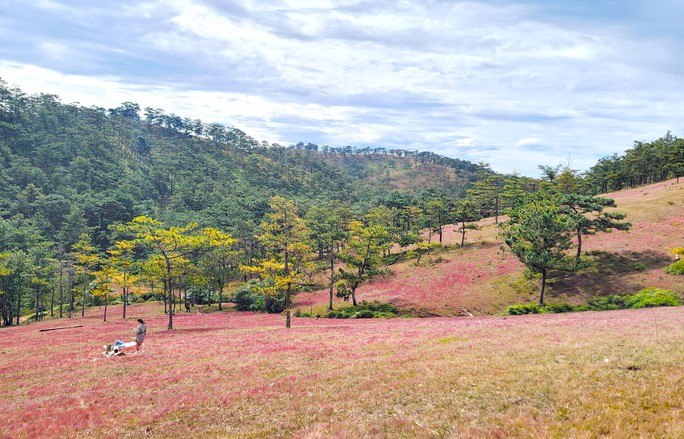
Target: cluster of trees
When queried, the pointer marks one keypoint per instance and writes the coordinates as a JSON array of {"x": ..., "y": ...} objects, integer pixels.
[
  {"x": 74, "y": 176},
  {"x": 176, "y": 264},
  {"x": 644, "y": 163},
  {"x": 545, "y": 225}
]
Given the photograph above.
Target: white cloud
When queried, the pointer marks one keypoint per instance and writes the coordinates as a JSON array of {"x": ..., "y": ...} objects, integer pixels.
[{"x": 497, "y": 82}]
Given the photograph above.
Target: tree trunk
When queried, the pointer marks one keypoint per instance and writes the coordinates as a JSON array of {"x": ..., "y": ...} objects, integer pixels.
[
  {"x": 579, "y": 248},
  {"x": 353, "y": 291},
  {"x": 125, "y": 295},
  {"x": 18, "y": 307},
  {"x": 52, "y": 303},
  {"x": 332, "y": 282},
  {"x": 61, "y": 288},
  {"x": 85, "y": 292},
  {"x": 105, "y": 310},
  {"x": 287, "y": 307},
  {"x": 170, "y": 283},
  {"x": 543, "y": 287},
  {"x": 496, "y": 211},
  {"x": 220, "y": 295},
  {"x": 70, "y": 282}
]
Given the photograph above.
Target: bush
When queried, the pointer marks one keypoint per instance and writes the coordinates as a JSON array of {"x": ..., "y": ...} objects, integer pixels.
[
  {"x": 676, "y": 268},
  {"x": 390, "y": 259},
  {"x": 638, "y": 266},
  {"x": 365, "y": 310},
  {"x": 652, "y": 298},
  {"x": 607, "y": 303},
  {"x": 559, "y": 308},
  {"x": 364, "y": 314},
  {"x": 523, "y": 308},
  {"x": 244, "y": 298},
  {"x": 249, "y": 297}
]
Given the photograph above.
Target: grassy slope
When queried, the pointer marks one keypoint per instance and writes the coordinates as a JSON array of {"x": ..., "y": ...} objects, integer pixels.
[
  {"x": 614, "y": 374},
  {"x": 481, "y": 279}
]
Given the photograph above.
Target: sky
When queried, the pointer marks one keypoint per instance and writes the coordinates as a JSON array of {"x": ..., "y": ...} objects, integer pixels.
[{"x": 511, "y": 83}]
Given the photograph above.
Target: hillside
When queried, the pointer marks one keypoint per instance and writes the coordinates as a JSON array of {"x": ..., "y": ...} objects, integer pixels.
[
  {"x": 482, "y": 279},
  {"x": 75, "y": 169},
  {"x": 592, "y": 374}
]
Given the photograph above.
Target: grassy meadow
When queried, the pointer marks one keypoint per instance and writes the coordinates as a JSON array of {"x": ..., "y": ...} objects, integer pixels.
[
  {"x": 228, "y": 374},
  {"x": 592, "y": 374}
]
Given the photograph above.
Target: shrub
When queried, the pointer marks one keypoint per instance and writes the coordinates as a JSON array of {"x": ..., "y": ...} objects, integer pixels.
[
  {"x": 524, "y": 308},
  {"x": 411, "y": 254},
  {"x": 390, "y": 259},
  {"x": 638, "y": 266},
  {"x": 653, "y": 297},
  {"x": 607, "y": 303},
  {"x": 559, "y": 308},
  {"x": 364, "y": 314},
  {"x": 365, "y": 310},
  {"x": 676, "y": 268},
  {"x": 244, "y": 298}
]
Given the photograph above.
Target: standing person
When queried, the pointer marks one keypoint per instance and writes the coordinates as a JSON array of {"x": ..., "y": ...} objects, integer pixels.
[{"x": 140, "y": 332}]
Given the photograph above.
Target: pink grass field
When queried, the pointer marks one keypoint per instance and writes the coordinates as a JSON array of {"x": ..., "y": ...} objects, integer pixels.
[{"x": 610, "y": 374}]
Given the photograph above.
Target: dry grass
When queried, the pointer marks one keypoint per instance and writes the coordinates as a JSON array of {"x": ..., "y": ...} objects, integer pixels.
[{"x": 613, "y": 374}]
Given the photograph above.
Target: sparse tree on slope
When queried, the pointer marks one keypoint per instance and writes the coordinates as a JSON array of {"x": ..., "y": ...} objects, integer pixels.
[
  {"x": 362, "y": 256},
  {"x": 538, "y": 234},
  {"x": 589, "y": 216},
  {"x": 328, "y": 225}
]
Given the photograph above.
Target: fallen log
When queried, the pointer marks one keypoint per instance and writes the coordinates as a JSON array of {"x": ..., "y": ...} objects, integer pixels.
[{"x": 60, "y": 327}]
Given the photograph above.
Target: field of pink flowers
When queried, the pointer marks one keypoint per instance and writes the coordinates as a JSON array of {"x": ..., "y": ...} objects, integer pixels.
[{"x": 611, "y": 374}]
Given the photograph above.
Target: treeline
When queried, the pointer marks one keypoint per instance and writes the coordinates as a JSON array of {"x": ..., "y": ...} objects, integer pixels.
[{"x": 294, "y": 247}]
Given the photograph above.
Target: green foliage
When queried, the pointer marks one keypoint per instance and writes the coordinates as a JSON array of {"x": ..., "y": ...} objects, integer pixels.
[
  {"x": 646, "y": 298},
  {"x": 251, "y": 297},
  {"x": 538, "y": 234},
  {"x": 520, "y": 309},
  {"x": 365, "y": 310},
  {"x": 652, "y": 298},
  {"x": 638, "y": 266},
  {"x": 676, "y": 268},
  {"x": 607, "y": 303},
  {"x": 558, "y": 308}
]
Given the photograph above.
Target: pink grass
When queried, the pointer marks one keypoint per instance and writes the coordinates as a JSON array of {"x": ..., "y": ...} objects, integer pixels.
[{"x": 233, "y": 374}]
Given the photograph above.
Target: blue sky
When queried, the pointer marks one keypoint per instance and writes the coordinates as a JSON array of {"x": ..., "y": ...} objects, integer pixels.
[{"x": 513, "y": 83}]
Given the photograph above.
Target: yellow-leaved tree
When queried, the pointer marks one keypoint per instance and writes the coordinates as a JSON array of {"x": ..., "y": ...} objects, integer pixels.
[
  {"x": 284, "y": 236},
  {"x": 172, "y": 247}
]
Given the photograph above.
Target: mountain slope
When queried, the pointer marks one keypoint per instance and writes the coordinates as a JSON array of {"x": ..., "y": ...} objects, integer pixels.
[{"x": 481, "y": 278}]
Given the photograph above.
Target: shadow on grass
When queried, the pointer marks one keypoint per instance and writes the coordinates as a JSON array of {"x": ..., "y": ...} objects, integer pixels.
[{"x": 609, "y": 273}]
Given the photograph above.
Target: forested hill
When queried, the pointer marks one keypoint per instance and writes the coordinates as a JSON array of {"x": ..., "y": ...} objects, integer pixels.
[{"x": 68, "y": 169}]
